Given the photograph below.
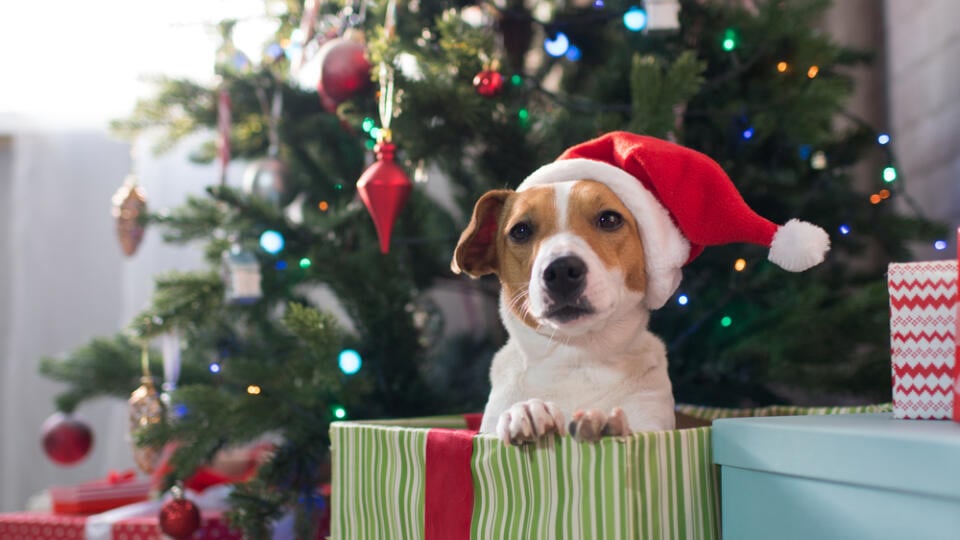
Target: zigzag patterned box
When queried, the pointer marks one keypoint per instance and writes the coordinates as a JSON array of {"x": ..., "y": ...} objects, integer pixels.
[{"x": 923, "y": 333}]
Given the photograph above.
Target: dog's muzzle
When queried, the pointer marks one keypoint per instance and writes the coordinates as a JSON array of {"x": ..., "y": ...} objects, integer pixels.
[{"x": 565, "y": 280}]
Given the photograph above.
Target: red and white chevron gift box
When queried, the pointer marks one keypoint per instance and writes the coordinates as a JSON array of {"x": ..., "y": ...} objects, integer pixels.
[{"x": 923, "y": 339}]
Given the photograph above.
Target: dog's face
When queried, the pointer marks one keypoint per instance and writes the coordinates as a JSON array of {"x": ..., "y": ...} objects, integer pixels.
[{"x": 568, "y": 255}]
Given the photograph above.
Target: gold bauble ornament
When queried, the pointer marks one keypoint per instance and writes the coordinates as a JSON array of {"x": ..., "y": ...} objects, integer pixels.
[{"x": 145, "y": 408}]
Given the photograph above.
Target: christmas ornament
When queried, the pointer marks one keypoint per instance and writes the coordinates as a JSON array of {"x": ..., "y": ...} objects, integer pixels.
[
  {"x": 179, "y": 517},
  {"x": 267, "y": 178},
  {"x": 240, "y": 272},
  {"x": 384, "y": 189},
  {"x": 344, "y": 68},
  {"x": 488, "y": 83},
  {"x": 384, "y": 186},
  {"x": 145, "y": 408},
  {"x": 129, "y": 210},
  {"x": 66, "y": 439}
]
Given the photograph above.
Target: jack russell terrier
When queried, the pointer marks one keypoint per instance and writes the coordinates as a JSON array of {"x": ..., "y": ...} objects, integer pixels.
[{"x": 584, "y": 249}]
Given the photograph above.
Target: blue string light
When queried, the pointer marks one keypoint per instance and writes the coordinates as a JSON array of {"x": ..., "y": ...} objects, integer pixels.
[
  {"x": 272, "y": 242},
  {"x": 683, "y": 300},
  {"x": 557, "y": 46},
  {"x": 635, "y": 19},
  {"x": 747, "y": 134},
  {"x": 883, "y": 139},
  {"x": 573, "y": 53},
  {"x": 598, "y": 4},
  {"x": 844, "y": 229},
  {"x": 940, "y": 245},
  {"x": 214, "y": 367},
  {"x": 349, "y": 361},
  {"x": 281, "y": 265}
]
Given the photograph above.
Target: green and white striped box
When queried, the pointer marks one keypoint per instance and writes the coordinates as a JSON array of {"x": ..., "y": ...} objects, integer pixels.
[{"x": 420, "y": 479}]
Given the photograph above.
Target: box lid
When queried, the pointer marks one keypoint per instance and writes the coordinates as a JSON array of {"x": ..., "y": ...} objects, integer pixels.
[{"x": 866, "y": 449}]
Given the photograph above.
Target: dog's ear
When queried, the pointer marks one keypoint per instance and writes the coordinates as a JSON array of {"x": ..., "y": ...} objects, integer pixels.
[{"x": 476, "y": 252}]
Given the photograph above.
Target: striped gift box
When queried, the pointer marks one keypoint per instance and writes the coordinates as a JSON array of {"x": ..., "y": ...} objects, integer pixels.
[
  {"x": 432, "y": 479},
  {"x": 923, "y": 348}
]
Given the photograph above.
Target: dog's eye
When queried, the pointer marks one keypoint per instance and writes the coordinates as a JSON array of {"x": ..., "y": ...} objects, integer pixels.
[
  {"x": 610, "y": 220},
  {"x": 521, "y": 232}
]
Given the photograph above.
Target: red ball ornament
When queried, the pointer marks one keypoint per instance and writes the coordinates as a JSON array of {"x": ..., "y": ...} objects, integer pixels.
[
  {"x": 344, "y": 69},
  {"x": 384, "y": 189},
  {"x": 179, "y": 518},
  {"x": 488, "y": 83},
  {"x": 66, "y": 439}
]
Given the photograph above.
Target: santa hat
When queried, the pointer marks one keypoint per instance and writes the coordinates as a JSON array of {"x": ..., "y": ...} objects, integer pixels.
[{"x": 682, "y": 201}]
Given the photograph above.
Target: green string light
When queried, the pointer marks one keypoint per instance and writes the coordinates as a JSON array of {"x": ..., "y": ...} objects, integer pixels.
[
  {"x": 726, "y": 321},
  {"x": 729, "y": 39},
  {"x": 516, "y": 80},
  {"x": 305, "y": 263},
  {"x": 889, "y": 174},
  {"x": 524, "y": 117},
  {"x": 368, "y": 124},
  {"x": 339, "y": 412}
]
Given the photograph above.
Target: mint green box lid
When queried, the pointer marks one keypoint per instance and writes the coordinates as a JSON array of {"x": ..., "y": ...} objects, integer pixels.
[{"x": 873, "y": 450}]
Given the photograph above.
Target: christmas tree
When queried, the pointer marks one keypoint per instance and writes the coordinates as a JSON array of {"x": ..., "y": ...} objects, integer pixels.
[{"x": 484, "y": 94}]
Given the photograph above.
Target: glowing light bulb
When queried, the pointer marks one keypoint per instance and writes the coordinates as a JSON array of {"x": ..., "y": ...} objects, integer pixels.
[
  {"x": 323, "y": 206},
  {"x": 516, "y": 80},
  {"x": 281, "y": 265},
  {"x": 844, "y": 229},
  {"x": 729, "y": 39},
  {"x": 884, "y": 193},
  {"x": 349, "y": 361},
  {"x": 272, "y": 242},
  {"x": 573, "y": 53},
  {"x": 557, "y": 46},
  {"x": 726, "y": 321},
  {"x": 305, "y": 263},
  {"x": 875, "y": 199},
  {"x": 740, "y": 265},
  {"x": 889, "y": 174},
  {"x": 683, "y": 300},
  {"x": 813, "y": 72},
  {"x": 883, "y": 139},
  {"x": 253, "y": 390},
  {"x": 782, "y": 67},
  {"x": 214, "y": 367},
  {"x": 368, "y": 124},
  {"x": 635, "y": 19},
  {"x": 339, "y": 412},
  {"x": 940, "y": 245},
  {"x": 748, "y": 133}
]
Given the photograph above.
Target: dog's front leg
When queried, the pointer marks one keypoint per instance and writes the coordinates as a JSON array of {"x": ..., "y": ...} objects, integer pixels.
[
  {"x": 530, "y": 420},
  {"x": 591, "y": 424}
]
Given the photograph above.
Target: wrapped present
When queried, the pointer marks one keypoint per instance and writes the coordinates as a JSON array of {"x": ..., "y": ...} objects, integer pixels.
[
  {"x": 44, "y": 526},
  {"x": 923, "y": 339},
  {"x": 117, "y": 489},
  {"x": 432, "y": 478}
]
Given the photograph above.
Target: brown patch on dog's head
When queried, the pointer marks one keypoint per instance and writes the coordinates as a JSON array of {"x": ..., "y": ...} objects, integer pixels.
[
  {"x": 486, "y": 246},
  {"x": 591, "y": 207}
]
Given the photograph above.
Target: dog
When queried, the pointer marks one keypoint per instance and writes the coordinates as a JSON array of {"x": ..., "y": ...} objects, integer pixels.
[
  {"x": 585, "y": 248},
  {"x": 570, "y": 259}
]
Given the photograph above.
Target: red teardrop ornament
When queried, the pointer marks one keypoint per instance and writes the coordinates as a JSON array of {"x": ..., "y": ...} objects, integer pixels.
[{"x": 384, "y": 189}]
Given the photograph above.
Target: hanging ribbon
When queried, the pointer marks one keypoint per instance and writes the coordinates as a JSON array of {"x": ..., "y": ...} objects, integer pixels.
[{"x": 224, "y": 119}]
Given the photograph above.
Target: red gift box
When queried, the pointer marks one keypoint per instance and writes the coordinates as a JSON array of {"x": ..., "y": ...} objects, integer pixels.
[
  {"x": 44, "y": 526},
  {"x": 118, "y": 489},
  {"x": 924, "y": 339}
]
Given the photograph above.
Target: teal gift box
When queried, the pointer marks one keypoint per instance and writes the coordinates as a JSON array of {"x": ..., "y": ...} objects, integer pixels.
[{"x": 838, "y": 477}]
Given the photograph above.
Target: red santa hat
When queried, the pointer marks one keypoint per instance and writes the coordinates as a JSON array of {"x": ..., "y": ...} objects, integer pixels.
[{"x": 682, "y": 201}]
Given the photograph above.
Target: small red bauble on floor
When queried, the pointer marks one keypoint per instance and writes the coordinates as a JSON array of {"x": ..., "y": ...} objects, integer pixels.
[
  {"x": 66, "y": 439},
  {"x": 488, "y": 83},
  {"x": 179, "y": 517}
]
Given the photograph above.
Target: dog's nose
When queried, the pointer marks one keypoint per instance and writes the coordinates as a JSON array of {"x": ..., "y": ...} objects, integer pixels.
[{"x": 566, "y": 277}]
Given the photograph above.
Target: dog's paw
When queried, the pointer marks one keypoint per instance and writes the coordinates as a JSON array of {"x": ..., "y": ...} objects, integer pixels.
[
  {"x": 591, "y": 424},
  {"x": 528, "y": 421}
]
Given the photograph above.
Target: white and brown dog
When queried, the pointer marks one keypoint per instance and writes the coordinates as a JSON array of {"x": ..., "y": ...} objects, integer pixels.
[{"x": 584, "y": 250}]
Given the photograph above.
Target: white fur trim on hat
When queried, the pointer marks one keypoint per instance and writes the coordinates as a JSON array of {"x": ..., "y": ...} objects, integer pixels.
[
  {"x": 798, "y": 245},
  {"x": 665, "y": 248}
]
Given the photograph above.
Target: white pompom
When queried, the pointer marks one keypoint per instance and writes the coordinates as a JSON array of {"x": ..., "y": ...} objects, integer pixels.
[{"x": 798, "y": 245}]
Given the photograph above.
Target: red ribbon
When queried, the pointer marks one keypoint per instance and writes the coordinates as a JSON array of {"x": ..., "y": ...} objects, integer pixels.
[
  {"x": 448, "y": 499},
  {"x": 118, "y": 477}
]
